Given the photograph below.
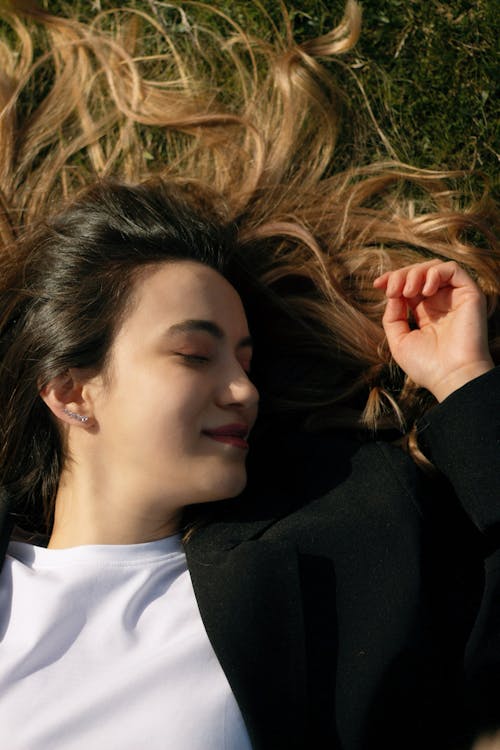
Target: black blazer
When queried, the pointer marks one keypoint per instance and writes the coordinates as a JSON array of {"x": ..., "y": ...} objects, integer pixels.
[{"x": 346, "y": 594}]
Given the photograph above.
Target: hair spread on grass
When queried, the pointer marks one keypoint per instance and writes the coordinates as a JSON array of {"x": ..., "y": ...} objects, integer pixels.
[{"x": 254, "y": 121}]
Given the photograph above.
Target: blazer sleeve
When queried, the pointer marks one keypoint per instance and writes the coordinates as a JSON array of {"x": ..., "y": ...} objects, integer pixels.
[{"x": 462, "y": 438}]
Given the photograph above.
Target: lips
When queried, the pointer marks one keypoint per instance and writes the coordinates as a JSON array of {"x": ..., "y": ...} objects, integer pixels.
[{"x": 231, "y": 434}]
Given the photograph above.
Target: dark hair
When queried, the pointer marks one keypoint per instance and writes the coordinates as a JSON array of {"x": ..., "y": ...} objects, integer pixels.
[{"x": 64, "y": 290}]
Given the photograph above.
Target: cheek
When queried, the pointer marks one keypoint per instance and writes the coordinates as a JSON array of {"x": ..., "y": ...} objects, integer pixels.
[
  {"x": 162, "y": 409},
  {"x": 150, "y": 404}
]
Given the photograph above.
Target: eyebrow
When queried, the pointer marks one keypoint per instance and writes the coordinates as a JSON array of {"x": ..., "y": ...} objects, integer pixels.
[{"x": 187, "y": 326}]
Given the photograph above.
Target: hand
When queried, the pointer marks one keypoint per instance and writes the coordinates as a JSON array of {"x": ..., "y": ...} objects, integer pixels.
[{"x": 449, "y": 346}]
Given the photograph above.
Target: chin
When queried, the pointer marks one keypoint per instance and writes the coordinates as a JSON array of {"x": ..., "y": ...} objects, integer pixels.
[{"x": 226, "y": 487}]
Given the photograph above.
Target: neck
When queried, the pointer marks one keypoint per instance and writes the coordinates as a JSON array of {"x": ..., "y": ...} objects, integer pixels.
[{"x": 85, "y": 514}]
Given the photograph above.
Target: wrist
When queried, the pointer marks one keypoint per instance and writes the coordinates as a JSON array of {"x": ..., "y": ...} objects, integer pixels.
[{"x": 459, "y": 377}]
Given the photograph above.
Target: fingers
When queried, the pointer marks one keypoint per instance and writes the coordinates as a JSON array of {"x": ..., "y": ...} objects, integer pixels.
[
  {"x": 405, "y": 282},
  {"x": 423, "y": 279},
  {"x": 395, "y": 319}
]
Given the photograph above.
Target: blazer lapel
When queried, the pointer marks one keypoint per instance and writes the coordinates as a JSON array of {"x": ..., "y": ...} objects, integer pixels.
[{"x": 250, "y": 601}]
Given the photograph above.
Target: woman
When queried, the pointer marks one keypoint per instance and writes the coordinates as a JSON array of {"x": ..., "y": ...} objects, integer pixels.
[
  {"x": 125, "y": 367},
  {"x": 340, "y": 591},
  {"x": 149, "y": 412}
]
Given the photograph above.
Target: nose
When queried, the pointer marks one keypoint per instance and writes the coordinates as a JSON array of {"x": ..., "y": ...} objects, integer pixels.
[{"x": 238, "y": 391}]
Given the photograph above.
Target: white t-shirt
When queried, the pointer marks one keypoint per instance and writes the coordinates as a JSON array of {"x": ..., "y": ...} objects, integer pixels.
[{"x": 103, "y": 646}]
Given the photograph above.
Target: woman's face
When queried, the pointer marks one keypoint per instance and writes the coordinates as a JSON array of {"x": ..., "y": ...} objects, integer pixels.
[{"x": 173, "y": 413}]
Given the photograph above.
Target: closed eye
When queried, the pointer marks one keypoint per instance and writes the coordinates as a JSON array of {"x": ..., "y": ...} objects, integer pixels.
[{"x": 193, "y": 358}]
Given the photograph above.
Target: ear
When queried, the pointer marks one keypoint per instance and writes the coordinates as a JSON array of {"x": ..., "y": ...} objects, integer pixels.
[{"x": 65, "y": 397}]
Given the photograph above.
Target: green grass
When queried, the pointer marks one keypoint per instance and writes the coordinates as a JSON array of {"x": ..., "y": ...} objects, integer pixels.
[{"x": 429, "y": 70}]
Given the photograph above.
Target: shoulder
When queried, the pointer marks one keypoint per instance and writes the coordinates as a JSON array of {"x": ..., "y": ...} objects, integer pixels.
[
  {"x": 310, "y": 464},
  {"x": 331, "y": 492},
  {"x": 332, "y": 478}
]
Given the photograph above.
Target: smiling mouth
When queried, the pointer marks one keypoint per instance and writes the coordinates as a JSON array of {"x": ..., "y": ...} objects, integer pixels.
[{"x": 234, "y": 435}]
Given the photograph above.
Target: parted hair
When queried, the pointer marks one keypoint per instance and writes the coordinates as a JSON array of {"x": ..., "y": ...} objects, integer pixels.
[{"x": 137, "y": 103}]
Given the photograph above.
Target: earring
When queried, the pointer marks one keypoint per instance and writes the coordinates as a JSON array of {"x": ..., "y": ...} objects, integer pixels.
[{"x": 74, "y": 415}]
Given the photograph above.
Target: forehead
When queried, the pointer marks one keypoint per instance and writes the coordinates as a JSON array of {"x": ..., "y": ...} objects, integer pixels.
[{"x": 181, "y": 290}]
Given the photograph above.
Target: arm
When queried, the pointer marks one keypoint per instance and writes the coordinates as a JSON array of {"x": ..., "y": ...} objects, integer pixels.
[
  {"x": 462, "y": 437},
  {"x": 447, "y": 353}
]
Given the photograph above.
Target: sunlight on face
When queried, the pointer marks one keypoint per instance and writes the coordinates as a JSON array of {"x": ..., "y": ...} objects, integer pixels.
[{"x": 174, "y": 417}]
